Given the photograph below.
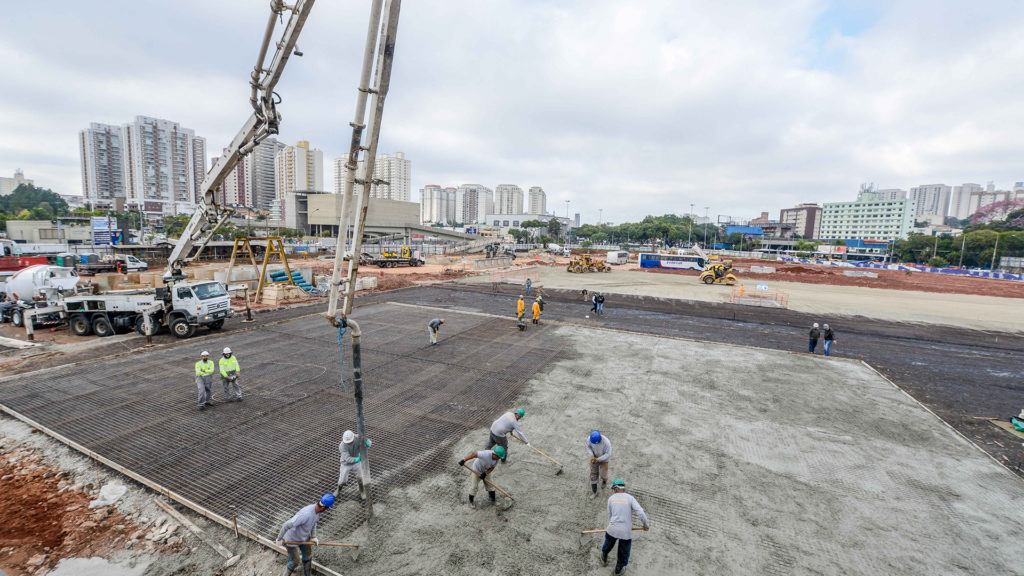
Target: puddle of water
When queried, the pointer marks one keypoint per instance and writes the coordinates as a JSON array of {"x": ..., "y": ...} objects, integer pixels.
[{"x": 96, "y": 567}]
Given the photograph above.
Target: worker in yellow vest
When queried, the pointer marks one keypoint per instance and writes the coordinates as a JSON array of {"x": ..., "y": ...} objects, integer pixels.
[
  {"x": 520, "y": 307},
  {"x": 204, "y": 378},
  {"x": 536, "y": 311},
  {"x": 229, "y": 371}
]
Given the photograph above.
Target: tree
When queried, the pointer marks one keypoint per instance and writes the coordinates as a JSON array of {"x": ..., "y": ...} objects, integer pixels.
[
  {"x": 938, "y": 262},
  {"x": 28, "y": 197},
  {"x": 554, "y": 228}
]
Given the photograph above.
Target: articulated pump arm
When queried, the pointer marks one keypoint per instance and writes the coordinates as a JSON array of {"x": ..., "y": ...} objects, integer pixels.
[{"x": 263, "y": 122}]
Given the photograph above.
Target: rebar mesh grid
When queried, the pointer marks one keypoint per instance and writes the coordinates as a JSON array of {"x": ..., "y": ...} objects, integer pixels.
[{"x": 266, "y": 457}]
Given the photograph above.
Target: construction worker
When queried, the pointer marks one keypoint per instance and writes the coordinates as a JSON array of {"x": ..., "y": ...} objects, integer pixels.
[
  {"x": 204, "y": 379},
  {"x": 486, "y": 461},
  {"x": 600, "y": 303},
  {"x": 814, "y": 335},
  {"x": 349, "y": 450},
  {"x": 508, "y": 422},
  {"x": 432, "y": 328},
  {"x": 830, "y": 339},
  {"x": 536, "y": 311},
  {"x": 229, "y": 372},
  {"x": 600, "y": 450},
  {"x": 520, "y": 307},
  {"x": 529, "y": 285},
  {"x": 620, "y": 525},
  {"x": 302, "y": 528}
]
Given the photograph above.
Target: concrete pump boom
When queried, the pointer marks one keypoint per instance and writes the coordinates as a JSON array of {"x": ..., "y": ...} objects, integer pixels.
[{"x": 263, "y": 122}]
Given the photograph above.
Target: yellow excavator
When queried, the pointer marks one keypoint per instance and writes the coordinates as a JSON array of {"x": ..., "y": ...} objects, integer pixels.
[
  {"x": 586, "y": 263},
  {"x": 718, "y": 273}
]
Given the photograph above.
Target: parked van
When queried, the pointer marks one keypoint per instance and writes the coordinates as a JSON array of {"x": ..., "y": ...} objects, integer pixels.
[{"x": 617, "y": 257}]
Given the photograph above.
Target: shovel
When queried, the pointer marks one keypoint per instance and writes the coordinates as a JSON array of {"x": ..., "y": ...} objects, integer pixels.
[
  {"x": 491, "y": 484},
  {"x": 557, "y": 472},
  {"x": 354, "y": 553}
]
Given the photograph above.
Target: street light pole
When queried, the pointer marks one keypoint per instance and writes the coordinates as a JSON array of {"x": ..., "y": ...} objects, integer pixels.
[
  {"x": 600, "y": 214},
  {"x": 706, "y": 226},
  {"x": 689, "y": 229}
]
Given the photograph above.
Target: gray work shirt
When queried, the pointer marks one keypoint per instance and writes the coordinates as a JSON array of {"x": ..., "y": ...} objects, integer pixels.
[
  {"x": 349, "y": 452},
  {"x": 602, "y": 450},
  {"x": 302, "y": 526},
  {"x": 434, "y": 324},
  {"x": 620, "y": 516},
  {"x": 507, "y": 423},
  {"x": 484, "y": 461}
]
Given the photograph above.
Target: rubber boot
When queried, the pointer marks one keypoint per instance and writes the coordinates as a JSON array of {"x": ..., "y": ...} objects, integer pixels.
[
  {"x": 362, "y": 490},
  {"x": 307, "y": 568},
  {"x": 337, "y": 492},
  {"x": 287, "y": 571},
  {"x": 471, "y": 503},
  {"x": 493, "y": 496},
  {"x": 593, "y": 490}
]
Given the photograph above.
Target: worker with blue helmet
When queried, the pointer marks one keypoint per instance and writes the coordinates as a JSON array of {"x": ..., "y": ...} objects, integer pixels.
[
  {"x": 600, "y": 450},
  {"x": 299, "y": 533}
]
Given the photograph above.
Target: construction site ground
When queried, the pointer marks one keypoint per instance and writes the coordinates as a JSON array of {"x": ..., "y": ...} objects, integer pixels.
[
  {"x": 979, "y": 303},
  {"x": 765, "y": 461}
]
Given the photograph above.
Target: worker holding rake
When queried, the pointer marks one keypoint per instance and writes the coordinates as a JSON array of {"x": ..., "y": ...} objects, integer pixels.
[
  {"x": 486, "y": 463},
  {"x": 500, "y": 428},
  {"x": 621, "y": 507}
]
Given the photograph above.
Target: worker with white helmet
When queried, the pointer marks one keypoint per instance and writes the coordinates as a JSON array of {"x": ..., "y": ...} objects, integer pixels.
[
  {"x": 600, "y": 450},
  {"x": 204, "y": 379},
  {"x": 350, "y": 458},
  {"x": 500, "y": 428},
  {"x": 229, "y": 372},
  {"x": 815, "y": 334}
]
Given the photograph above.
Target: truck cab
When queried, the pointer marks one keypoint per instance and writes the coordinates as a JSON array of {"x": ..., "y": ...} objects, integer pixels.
[{"x": 197, "y": 303}]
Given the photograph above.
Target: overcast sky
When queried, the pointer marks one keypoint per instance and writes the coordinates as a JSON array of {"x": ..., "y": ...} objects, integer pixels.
[{"x": 635, "y": 108}]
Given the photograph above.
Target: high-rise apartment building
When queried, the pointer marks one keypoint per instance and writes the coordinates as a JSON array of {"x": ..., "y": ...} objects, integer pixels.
[
  {"x": 8, "y": 185},
  {"x": 298, "y": 167},
  {"x": 261, "y": 174},
  {"x": 932, "y": 200},
  {"x": 164, "y": 166},
  {"x": 473, "y": 202},
  {"x": 396, "y": 171},
  {"x": 234, "y": 191},
  {"x": 960, "y": 199},
  {"x": 885, "y": 194},
  {"x": 437, "y": 205},
  {"x": 538, "y": 201},
  {"x": 103, "y": 154},
  {"x": 508, "y": 199},
  {"x": 805, "y": 220},
  {"x": 871, "y": 217}
]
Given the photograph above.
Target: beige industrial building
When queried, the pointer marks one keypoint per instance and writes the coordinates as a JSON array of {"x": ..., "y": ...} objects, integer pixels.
[{"x": 47, "y": 232}]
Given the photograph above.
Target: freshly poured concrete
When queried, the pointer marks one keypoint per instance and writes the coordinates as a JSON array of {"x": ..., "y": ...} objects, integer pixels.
[{"x": 746, "y": 460}]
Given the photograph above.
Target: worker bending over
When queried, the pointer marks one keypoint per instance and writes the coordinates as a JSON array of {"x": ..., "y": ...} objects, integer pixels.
[
  {"x": 536, "y": 311},
  {"x": 204, "y": 379},
  {"x": 620, "y": 525},
  {"x": 302, "y": 528},
  {"x": 229, "y": 372},
  {"x": 432, "y": 328},
  {"x": 350, "y": 457},
  {"x": 600, "y": 450},
  {"x": 486, "y": 462},
  {"x": 508, "y": 422}
]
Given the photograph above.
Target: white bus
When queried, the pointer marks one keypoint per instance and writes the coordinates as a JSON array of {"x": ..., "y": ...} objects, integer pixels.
[{"x": 672, "y": 261}]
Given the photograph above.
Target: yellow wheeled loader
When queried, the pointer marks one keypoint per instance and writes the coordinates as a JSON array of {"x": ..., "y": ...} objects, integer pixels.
[
  {"x": 718, "y": 273},
  {"x": 586, "y": 263}
]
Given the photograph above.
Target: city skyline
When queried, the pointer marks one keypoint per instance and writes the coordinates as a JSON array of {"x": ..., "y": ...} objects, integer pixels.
[{"x": 782, "y": 105}]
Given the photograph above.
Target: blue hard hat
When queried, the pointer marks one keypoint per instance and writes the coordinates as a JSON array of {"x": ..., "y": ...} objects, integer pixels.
[
  {"x": 327, "y": 500},
  {"x": 595, "y": 437}
]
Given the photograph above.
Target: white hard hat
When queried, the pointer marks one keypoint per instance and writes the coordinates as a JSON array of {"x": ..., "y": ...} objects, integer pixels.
[
  {"x": 815, "y": 325},
  {"x": 205, "y": 353},
  {"x": 348, "y": 437},
  {"x": 227, "y": 350},
  {"x": 826, "y": 326}
]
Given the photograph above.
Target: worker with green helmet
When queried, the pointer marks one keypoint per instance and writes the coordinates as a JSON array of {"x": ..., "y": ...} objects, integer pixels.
[
  {"x": 229, "y": 372},
  {"x": 507, "y": 423},
  {"x": 486, "y": 463},
  {"x": 621, "y": 507}
]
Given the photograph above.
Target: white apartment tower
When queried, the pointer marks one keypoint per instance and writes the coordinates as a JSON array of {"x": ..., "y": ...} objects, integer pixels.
[
  {"x": 234, "y": 191},
  {"x": 960, "y": 199},
  {"x": 538, "y": 201},
  {"x": 473, "y": 202},
  {"x": 437, "y": 205},
  {"x": 931, "y": 200},
  {"x": 298, "y": 167},
  {"x": 397, "y": 172},
  {"x": 103, "y": 155},
  {"x": 261, "y": 175},
  {"x": 508, "y": 199},
  {"x": 164, "y": 166},
  {"x": 873, "y": 216}
]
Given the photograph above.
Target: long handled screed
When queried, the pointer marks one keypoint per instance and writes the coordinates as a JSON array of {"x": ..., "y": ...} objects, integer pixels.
[
  {"x": 557, "y": 472},
  {"x": 353, "y": 552},
  {"x": 489, "y": 483},
  {"x": 583, "y": 539}
]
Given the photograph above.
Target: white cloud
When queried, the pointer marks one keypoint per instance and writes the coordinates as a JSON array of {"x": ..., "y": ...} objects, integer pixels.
[{"x": 634, "y": 108}]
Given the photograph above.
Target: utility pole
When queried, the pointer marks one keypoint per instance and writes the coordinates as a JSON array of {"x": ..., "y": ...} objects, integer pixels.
[
  {"x": 935, "y": 249},
  {"x": 706, "y": 226},
  {"x": 963, "y": 244},
  {"x": 600, "y": 214},
  {"x": 995, "y": 249},
  {"x": 689, "y": 229}
]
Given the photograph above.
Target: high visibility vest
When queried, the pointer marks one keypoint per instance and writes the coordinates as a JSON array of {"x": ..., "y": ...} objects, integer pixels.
[
  {"x": 520, "y": 307},
  {"x": 204, "y": 368},
  {"x": 227, "y": 365}
]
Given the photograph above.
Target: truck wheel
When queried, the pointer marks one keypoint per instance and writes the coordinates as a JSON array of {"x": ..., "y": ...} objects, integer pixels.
[
  {"x": 216, "y": 325},
  {"x": 181, "y": 328},
  {"x": 101, "y": 327},
  {"x": 80, "y": 325},
  {"x": 18, "y": 318},
  {"x": 140, "y": 326}
]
